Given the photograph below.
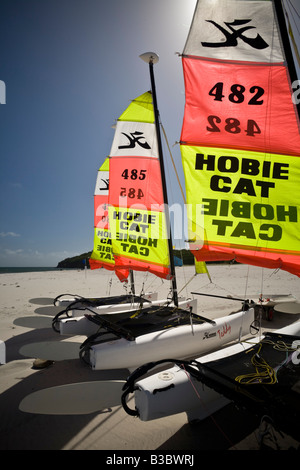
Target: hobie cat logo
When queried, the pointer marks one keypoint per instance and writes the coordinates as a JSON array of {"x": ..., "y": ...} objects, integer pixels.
[
  {"x": 104, "y": 184},
  {"x": 236, "y": 30},
  {"x": 133, "y": 139},
  {"x": 2, "y": 92}
]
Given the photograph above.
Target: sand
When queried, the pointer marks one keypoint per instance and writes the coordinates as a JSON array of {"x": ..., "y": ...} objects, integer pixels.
[{"x": 25, "y": 326}]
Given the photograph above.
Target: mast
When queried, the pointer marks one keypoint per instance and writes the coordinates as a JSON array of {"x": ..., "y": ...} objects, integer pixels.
[
  {"x": 132, "y": 282},
  {"x": 152, "y": 58}
]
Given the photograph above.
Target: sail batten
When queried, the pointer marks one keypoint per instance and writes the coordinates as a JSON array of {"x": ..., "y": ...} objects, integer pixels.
[{"x": 240, "y": 139}]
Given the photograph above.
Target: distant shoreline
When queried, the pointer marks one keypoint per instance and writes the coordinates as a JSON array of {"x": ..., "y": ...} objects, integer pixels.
[{"x": 12, "y": 270}]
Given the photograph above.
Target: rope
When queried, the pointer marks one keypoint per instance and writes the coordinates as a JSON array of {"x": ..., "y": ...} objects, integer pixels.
[
  {"x": 264, "y": 373},
  {"x": 171, "y": 156}
]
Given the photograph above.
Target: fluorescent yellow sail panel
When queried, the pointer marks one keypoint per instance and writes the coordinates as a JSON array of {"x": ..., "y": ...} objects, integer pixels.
[
  {"x": 244, "y": 204},
  {"x": 200, "y": 267},
  {"x": 140, "y": 110},
  {"x": 140, "y": 240}
]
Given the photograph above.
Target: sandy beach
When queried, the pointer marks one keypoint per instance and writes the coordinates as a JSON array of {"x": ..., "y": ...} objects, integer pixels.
[{"x": 25, "y": 327}]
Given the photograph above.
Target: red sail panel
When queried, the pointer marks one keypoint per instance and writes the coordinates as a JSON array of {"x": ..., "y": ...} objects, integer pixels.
[
  {"x": 237, "y": 105},
  {"x": 137, "y": 181}
]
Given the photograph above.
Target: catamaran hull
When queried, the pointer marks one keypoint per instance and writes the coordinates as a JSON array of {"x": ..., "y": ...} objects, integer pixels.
[
  {"x": 173, "y": 391},
  {"x": 179, "y": 342},
  {"x": 66, "y": 301},
  {"x": 80, "y": 325},
  {"x": 119, "y": 308}
]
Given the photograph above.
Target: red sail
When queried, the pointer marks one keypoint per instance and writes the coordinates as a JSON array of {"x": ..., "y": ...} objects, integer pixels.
[{"x": 240, "y": 139}]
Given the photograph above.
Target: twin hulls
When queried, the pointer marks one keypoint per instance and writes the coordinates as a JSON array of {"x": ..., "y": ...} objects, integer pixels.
[
  {"x": 77, "y": 323},
  {"x": 180, "y": 342}
]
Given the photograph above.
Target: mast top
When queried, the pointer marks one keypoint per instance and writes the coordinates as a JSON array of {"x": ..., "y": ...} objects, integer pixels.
[{"x": 149, "y": 57}]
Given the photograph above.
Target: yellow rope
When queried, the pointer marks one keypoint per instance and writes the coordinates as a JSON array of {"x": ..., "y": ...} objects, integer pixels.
[{"x": 264, "y": 373}]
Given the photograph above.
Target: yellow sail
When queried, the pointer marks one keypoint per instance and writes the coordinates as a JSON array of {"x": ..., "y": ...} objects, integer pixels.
[
  {"x": 138, "y": 228},
  {"x": 240, "y": 139}
]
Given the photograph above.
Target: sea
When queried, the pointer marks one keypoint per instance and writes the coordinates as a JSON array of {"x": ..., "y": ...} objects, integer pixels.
[{"x": 27, "y": 270}]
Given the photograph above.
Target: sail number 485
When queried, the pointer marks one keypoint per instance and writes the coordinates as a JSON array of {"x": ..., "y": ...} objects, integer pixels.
[
  {"x": 134, "y": 174},
  {"x": 237, "y": 96}
]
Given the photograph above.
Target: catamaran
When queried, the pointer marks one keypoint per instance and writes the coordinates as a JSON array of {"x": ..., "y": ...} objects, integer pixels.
[
  {"x": 145, "y": 253},
  {"x": 240, "y": 144},
  {"x": 140, "y": 222},
  {"x": 102, "y": 257}
]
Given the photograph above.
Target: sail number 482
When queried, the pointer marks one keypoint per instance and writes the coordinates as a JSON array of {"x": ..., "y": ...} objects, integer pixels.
[
  {"x": 232, "y": 125},
  {"x": 237, "y": 95}
]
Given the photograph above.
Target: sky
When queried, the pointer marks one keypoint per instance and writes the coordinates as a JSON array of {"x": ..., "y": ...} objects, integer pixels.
[{"x": 70, "y": 68}]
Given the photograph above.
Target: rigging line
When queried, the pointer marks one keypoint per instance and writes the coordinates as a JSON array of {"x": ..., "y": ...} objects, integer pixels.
[
  {"x": 181, "y": 189},
  {"x": 180, "y": 186},
  {"x": 186, "y": 284},
  {"x": 262, "y": 282},
  {"x": 184, "y": 275},
  {"x": 171, "y": 156}
]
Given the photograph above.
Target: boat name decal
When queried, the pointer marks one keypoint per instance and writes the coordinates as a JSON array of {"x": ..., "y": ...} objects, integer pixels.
[
  {"x": 224, "y": 330},
  {"x": 220, "y": 333}
]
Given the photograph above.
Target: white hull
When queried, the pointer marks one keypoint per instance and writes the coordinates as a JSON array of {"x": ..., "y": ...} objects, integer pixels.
[
  {"x": 68, "y": 300},
  {"x": 2, "y": 353},
  {"x": 179, "y": 392},
  {"x": 180, "y": 342},
  {"x": 80, "y": 325},
  {"x": 119, "y": 308}
]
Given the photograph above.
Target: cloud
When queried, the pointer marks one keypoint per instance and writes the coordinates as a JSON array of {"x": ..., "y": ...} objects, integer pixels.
[
  {"x": 13, "y": 252},
  {"x": 9, "y": 234}
]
